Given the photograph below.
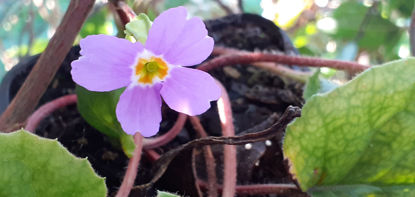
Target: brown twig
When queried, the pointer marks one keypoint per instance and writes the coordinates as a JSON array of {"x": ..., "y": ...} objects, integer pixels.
[
  {"x": 241, "y": 6},
  {"x": 161, "y": 165},
  {"x": 43, "y": 72},
  {"x": 46, "y": 109},
  {"x": 150, "y": 143},
  {"x": 229, "y": 152},
  {"x": 227, "y": 9},
  {"x": 250, "y": 57},
  {"x": 209, "y": 158},
  {"x": 131, "y": 173}
]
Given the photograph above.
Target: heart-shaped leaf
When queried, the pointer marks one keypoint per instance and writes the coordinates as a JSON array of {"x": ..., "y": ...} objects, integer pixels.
[
  {"x": 35, "y": 166},
  {"x": 359, "y": 139}
]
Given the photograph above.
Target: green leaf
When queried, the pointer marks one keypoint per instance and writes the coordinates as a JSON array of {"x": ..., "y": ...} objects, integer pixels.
[
  {"x": 316, "y": 85},
  {"x": 97, "y": 24},
  {"x": 2, "y": 71},
  {"x": 137, "y": 29},
  {"x": 376, "y": 30},
  {"x": 35, "y": 166},
  {"x": 252, "y": 6},
  {"x": 174, "y": 3},
  {"x": 404, "y": 7},
  {"x": 166, "y": 194},
  {"x": 98, "y": 109},
  {"x": 359, "y": 137}
]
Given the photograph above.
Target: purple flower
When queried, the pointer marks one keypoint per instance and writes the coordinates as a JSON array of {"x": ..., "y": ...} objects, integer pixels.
[{"x": 150, "y": 72}]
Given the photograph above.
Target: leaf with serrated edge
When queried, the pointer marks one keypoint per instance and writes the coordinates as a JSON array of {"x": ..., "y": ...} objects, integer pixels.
[
  {"x": 35, "y": 166},
  {"x": 359, "y": 137}
]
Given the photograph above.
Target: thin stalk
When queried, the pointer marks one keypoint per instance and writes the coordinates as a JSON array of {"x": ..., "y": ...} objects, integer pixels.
[
  {"x": 229, "y": 151},
  {"x": 252, "y": 57},
  {"x": 150, "y": 143},
  {"x": 48, "y": 108},
  {"x": 132, "y": 168},
  {"x": 209, "y": 158}
]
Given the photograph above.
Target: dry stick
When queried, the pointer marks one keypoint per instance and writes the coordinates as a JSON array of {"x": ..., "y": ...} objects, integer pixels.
[
  {"x": 131, "y": 173},
  {"x": 48, "y": 108},
  {"x": 249, "y": 57},
  {"x": 43, "y": 72},
  {"x": 412, "y": 33},
  {"x": 161, "y": 165},
  {"x": 150, "y": 143},
  {"x": 224, "y": 7},
  {"x": 229, "y": 152},
  {"x": 209, "y": 158}
]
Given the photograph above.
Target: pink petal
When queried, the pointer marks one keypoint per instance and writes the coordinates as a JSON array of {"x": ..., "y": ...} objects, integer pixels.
[
  {"x": 139, "y": 110},
  {"x": 192, "y": 46},
  {"x": 189, "y": 91},
  {"x": 165, "y": 30},
  {"x": 105, "y": 62}
]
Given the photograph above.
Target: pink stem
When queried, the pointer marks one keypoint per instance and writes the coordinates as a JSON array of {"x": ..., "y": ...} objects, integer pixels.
[
  {"x": 229, "y": 152},
  {"x": 250, "y": 57},
  {"x": 132, "y": 168},
  {"x": 152, "y": 155},
  {"x": 48, "y": 108},
  {"x": 150, "y": 143},
  {"x": 209, "y": 158}
]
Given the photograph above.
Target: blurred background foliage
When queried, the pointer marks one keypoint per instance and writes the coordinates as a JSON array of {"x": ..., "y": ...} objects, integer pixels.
[{"x": 367, "y": 31}]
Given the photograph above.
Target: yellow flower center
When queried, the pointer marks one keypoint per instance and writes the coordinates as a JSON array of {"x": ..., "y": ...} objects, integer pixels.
[{"x": 148, "y": 69}]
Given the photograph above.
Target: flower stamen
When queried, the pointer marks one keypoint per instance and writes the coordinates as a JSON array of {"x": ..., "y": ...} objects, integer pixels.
[{"x": 147, "y": 70}]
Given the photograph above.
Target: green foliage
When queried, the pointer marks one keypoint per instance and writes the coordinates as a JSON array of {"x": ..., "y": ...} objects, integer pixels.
[
  {"x": 252, "y": 6},
  {"x": 404, "y": 7},
  {"x": 174, "y": 3},
  {"x": 2, "y": 71},
  {"x": 359, "y": 138},
  {"x": 35, "y": 166},
  {"x": 98, "y": 109},
  {"x": 137, "y": 29},
  {"x": 96, "y": 24},
  {"x": 368, "y": 27},
  {"x": 166, "y": 194},
  {"x": 316, "y": 85}
]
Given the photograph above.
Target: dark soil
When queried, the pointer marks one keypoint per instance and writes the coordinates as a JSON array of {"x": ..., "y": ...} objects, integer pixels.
[{"x": 258, "y": 98}]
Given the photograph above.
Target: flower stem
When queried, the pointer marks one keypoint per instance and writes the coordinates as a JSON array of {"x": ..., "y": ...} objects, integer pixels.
[
  {"x": 123, "y": 13},
  {"x": 131, "y": 173},
  {"x": 229, "y": 151},
  {"x": 209, "y": 158},
  {"x": 270, "y": 66},
  {"x": 150, "y": 143},
  {"x": 48, "y": 108},
  {"x": 250, "y": 57}
]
